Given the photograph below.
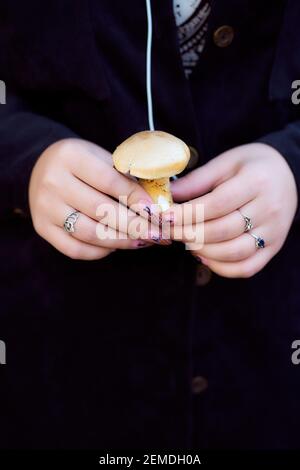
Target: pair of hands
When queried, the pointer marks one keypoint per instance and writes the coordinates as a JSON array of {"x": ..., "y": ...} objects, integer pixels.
[{"x": 74, "y": 174}]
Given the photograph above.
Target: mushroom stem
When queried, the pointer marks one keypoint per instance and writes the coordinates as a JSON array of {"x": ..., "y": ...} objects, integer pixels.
[{"x": 159, "y": 190}]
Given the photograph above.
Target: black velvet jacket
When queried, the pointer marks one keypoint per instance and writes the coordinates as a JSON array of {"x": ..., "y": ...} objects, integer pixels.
[{"x": 103, "y": 353}]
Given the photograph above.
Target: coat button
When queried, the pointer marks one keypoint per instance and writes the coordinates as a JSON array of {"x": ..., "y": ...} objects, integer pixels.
[
  {"x": 199, "y": 384},
  {"x": 223, "y": 36},
  {"x": 203, "y": 275},
  {"x": 194, "y": 158},
  {"x": 19, "y": 212}
]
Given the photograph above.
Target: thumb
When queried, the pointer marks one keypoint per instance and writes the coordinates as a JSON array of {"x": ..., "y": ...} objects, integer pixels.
[{"x": 204, "y": 179}]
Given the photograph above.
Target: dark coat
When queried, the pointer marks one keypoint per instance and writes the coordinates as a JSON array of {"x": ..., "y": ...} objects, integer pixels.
[{"x": 103, "y": 353}]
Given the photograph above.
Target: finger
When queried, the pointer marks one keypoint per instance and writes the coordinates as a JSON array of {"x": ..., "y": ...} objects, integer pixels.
[
  {"x": 239, "y": 248},
  {"x": 110, "y": 238},
  {"x": 242, "y": 269},
  {"x": 93, "y": 233},
  {"x": 229, "y": 226},
  {"x": 100, "y": 207},
  {"x": 204, "y": 179},
  {"x": 73, "y": 248},
  {"x": 100, "y": 174},
  {"x": 227, "y": 197},
  {"x": 214, "y": 231},
  {"x": 234, "y": 250}
]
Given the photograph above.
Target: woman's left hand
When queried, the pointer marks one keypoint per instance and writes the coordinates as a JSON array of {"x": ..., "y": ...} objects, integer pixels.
[{"x": 253, "y": 180}]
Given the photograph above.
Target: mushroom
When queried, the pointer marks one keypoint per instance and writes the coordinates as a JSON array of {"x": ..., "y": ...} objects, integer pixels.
[{"x": 153, "y": 157}]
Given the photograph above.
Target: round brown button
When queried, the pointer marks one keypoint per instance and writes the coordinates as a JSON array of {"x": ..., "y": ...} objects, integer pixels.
[
  {"x": 199, "y": 384},
  {"x": 203, "y": 275},
  {"x": 223, "y": 36},
  {"x": 194, "y": 158},
  {"x": 19, "y": 212}
]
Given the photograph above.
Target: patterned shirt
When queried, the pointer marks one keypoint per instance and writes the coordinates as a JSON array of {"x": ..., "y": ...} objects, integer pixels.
[{"x": 191, "y": 18}]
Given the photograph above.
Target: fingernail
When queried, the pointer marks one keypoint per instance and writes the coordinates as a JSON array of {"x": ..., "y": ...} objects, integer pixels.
[
  {"x": 168, "y": 220},
  {"x": 166, "y": 242},
  {"x": 153, "y": 218},
  {"x": 160, "y": 241},
  {"x": 143, "y": 206},
  {"x": 151, "y": 210},
  {"x": 140, "y": 244},
  {"x": 155, "y": 238},
  {"x": 147, "y": 210}
]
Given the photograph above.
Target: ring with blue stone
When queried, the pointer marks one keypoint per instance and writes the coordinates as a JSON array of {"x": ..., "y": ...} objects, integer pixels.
[{"x": 259, "y": 242}]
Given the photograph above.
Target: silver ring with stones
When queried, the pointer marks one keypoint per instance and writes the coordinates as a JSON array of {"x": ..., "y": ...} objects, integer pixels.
[
  {"x": 259, "y": 242},
  {"x": 248, "y": 223},
  {"x": 69, "y": 223}
]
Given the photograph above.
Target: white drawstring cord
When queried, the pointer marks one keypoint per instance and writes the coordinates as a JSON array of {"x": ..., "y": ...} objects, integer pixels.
[
  {"x": 148, "y": 70},
  {"x": 148, "y": 66}
]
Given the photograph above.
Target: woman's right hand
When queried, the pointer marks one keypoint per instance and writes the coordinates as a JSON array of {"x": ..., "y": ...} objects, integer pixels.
[{"x": 76, "y": 175}]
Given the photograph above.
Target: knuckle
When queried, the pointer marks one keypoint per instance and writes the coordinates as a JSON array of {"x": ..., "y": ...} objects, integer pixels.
[
  {"x": 102, "y": 253},
  {"x": 42, "y": 203},
  {"x": 214, "y": 232},
  {"x": 223, "y": 233},
  {"x": 110, "y": 179},
  {"x": 98, "y": 209},
  {"x": 278, "y": 244},
  {"x": 237, "y": 254},
  {"x": 74, "y": 252},
  {"x": 50, "y": 181},
  {"x": 218, "y": 204},
  {"x": 223, "y": 200},
  {"x": 275, "y": 209},
  {"x": 67, "y": 150},
  {"x": 247, "y": 270},
  {"x": 38, "y": 225},
  {"x": 262, "y": 179},
  {"x": 139, "y": 228},
  {"x": 90, "y": 236},
  {"x": 132, "y": 194}
]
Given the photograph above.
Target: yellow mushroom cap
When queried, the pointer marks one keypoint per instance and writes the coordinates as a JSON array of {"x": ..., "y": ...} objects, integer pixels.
[{"x": 151, "y": 155}]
